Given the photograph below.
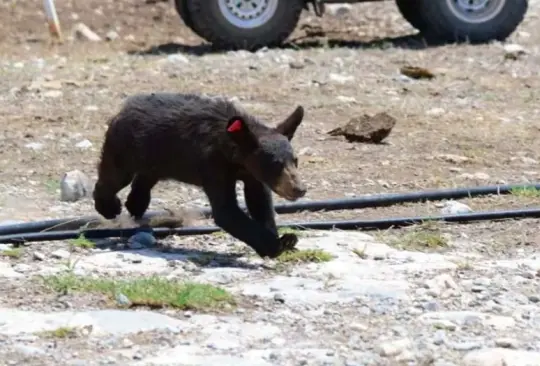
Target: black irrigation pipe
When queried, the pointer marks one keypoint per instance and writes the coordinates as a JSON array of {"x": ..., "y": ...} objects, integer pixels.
[
  {"x": 320, "y": 225},
  {"x": 365, "y": 201}
]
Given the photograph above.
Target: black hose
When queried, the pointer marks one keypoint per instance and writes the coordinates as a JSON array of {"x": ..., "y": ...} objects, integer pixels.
[
  {"x": 378, "y": 200},
  {"x": 320, "y": 225}
]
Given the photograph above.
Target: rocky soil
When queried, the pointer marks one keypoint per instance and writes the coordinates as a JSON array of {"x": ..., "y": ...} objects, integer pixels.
[{"x": 433, "y": 294}]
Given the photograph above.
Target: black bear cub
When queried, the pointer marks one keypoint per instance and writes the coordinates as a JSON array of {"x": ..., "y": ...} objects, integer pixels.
[{"x": 208, "y": 142}]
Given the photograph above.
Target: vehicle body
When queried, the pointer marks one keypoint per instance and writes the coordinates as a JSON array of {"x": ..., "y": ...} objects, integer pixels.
[{"x": 251, "y": 24}]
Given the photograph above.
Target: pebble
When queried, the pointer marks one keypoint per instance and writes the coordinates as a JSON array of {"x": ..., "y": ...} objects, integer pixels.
[
  {"x": 60, "y": 254},
  {"x": 455, "y": 208},
  {"x": 141, "y": 240},
  {"x": 394, "y": 348},
  {"x": 507, "y": 343},
  {"x": 74, "y": 186}
]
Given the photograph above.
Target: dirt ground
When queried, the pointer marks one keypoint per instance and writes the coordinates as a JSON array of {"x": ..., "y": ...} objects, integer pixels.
[
  {"x": 474, "y": 124},
  {"x": 480, "y": 107}
]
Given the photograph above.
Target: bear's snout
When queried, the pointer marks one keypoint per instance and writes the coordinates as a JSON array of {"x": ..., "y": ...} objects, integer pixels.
[{"x": 289, "y": 185}]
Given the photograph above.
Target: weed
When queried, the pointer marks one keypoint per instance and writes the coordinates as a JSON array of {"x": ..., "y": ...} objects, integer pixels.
[{"x": 150, "y": 291}]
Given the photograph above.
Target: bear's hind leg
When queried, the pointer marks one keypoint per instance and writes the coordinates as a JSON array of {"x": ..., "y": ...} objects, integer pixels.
[{"x": 139, "y": 197}]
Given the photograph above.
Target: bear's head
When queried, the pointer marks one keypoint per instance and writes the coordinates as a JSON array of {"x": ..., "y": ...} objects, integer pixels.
[{"x": 270, "y": 157}]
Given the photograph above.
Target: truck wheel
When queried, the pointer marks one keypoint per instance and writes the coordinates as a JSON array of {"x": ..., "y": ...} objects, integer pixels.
[
  {"x": 476, "y": 21},
  {"x": 183, "y": 12},
  {"x": 245, "y": 24},
  {"x": 409, "y": 11}
]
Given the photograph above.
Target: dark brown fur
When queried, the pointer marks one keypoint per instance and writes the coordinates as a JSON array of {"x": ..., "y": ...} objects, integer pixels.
[{"x": 184, "y": 137}]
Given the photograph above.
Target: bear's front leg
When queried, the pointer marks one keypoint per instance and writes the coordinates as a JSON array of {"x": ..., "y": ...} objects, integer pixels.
[
  {"x": 259, "y": 203},
  {"x": 234, "y": 221}
]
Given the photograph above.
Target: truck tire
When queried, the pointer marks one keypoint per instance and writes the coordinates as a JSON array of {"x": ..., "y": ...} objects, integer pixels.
[
  {"x": 476, "y": 21},
  {"x": 409, "y": 11},
  {"x": 245, "y": 24},
  {"x": 183, "y": 12}
]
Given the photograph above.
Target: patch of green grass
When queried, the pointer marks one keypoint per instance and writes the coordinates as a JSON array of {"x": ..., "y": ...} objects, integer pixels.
[
  {"x": 82, "y": 242},
  {"x": 52, "y": 185},
  {"x": 360, "y": 252},
  {"x": 12, "y": 253},
  {"x": 289, "y": 230},
  {"x": 151, "y": 291},
  {"x": 303, "y": 256},
  {"x": 421, "y": 240},
  {"x": 528, "y": 192},
  {"x": 62, "y": 332}
]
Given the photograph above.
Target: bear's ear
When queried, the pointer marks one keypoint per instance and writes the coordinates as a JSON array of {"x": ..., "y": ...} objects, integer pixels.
[
  {"x": 238, "y": 130},
  {"x": 288, "y": 127}
]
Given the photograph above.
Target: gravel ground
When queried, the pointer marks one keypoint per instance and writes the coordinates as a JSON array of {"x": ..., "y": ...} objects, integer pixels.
[{"x": 436, "y": 294}]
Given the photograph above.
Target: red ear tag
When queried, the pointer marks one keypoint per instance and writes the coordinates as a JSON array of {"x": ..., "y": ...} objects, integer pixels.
[{"x": 235, "y": 126}]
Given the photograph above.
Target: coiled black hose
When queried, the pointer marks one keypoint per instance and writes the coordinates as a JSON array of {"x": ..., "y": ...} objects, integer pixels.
[
  {"x": 320, "y": 225},
  {"x": 365, "y": 201}
]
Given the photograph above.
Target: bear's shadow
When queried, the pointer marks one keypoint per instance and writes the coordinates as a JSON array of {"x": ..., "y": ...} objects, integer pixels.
[{"x": 199, "y": 257}]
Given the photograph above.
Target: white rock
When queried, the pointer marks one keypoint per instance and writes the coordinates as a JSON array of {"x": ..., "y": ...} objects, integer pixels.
[
  {"x": 435, "y": 112},
  {"x": 34, "y": 146},
  {"x": 53, "y": 94},
  {"x": 345, "y": 99},
  {"x": 117, "y": 322},
  {"x": 84, "y": 144},
  {"x": 455, "y": 208},
  {"x": 340, "y": 78},
  {"x": 60, "y": 254},
  {"x": 514, "y": 51},
  {"x": 178, "y": 58},
  {"x": 74, "y": 186},
  {"x": 338, "y": 9},
  {"x": 394, "y": 348},
  {"x": 501, "y": 357},
  {"x": 82, "y": 32},
  {"x": 111, "y": 36}
]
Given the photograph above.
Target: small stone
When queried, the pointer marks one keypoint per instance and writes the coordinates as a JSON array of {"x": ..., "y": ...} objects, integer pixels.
[
  {"x": 178, "y": 58},
  {"x": 435, "y": 112},
  {"x": 279, "y": 298},
  {"x": 297, "y": 65},
  {"x": 122, "y": 300},
  {"x": 60, "y": 254},
  {"x": 82, "y": 32},
  {"x": 339, "y": 78},
  {"x": 111, "y": 36},
  {"x": 513, "y": 51},
  {"x": 466, "y": 346},
  {"x": 501, "y": 357},
  {"x": 455, "y": 208},
  {"x": 338, "y": 10},
  {"x": 455, "y": 159},
  {"x": 84, "y": 144},
  {"x": 22, "y": 268},
  {"x": 345, "y": 99},
  {"x": 74, "y": 186},
  {"x": 507, "y": 343},
  {"x": 394, "y": 348},
  {"x": 38, "y": 256},
  {"x": 141, "y": 240},
  {"x": 444, "y": 324},
  {"x": 53, "y": 94},
  {"x": 34, "y": 146},
  {"x": 477, "y": 289}
]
